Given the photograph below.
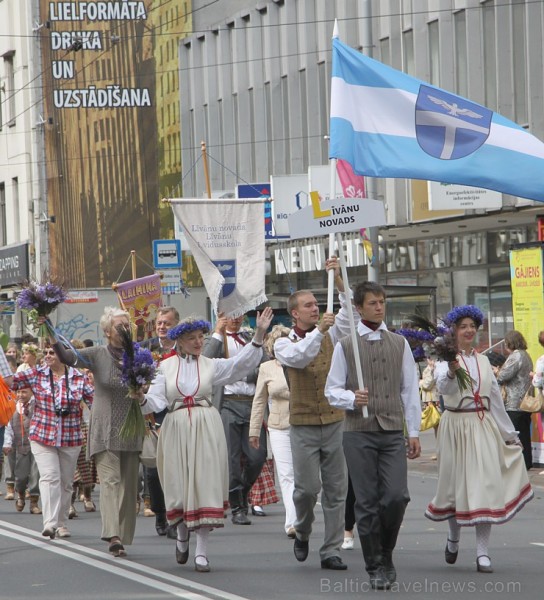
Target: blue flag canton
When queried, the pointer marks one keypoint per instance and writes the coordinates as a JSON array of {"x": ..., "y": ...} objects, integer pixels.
[{"x": 449, "y": 127}]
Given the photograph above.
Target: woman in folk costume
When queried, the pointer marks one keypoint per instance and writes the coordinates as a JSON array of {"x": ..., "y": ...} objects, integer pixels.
[
  {"x": 482, "y": 478},
  {"x": 192, "y": 457}
]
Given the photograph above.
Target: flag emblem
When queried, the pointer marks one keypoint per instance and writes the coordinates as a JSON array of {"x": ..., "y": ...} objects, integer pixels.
[
  {"x": 227, "y": 268},
  {"x": 448, "y": 126}
]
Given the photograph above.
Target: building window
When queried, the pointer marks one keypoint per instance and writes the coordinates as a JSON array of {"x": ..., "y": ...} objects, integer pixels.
[
  {"x": 461, "y": 63},
  {"x": 10, "y": 86},
  {"x": 304, "y": 118},
  {"x": 519, "y": 57},
  {"x": 286, "y": 124},
  {"x": 490, "y": 62},
  {"x": 385, "y": 52},
  {"x": 3, "y": 217},
  {"x": 408, "y": 60},
  {"x": 434, "y": 53},
  {"x": 16, "y": 222}
]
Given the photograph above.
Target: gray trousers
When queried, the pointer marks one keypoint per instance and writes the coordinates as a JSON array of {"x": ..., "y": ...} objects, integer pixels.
[
  {"x": 379, "y": 474},
  {"x": 319, "y": 464},
  {"x": 26, "y": 474},
  {"x": 118, "y": 473}
]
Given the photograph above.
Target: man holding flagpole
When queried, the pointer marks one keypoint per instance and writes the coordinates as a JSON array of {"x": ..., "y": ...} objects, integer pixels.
[
  {"x": 375, "y": 446},
  {"x": 316, "y": 427}
]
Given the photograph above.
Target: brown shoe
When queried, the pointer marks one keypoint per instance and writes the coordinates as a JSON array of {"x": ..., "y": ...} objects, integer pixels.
[
  {"x": 20, "y": 503},
  {"x": 10, "y": 491},
  {"x": 34, "y": 508}
]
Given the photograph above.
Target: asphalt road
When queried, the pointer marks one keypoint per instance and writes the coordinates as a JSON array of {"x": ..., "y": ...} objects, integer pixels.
[{"x": 256, "y": 562}]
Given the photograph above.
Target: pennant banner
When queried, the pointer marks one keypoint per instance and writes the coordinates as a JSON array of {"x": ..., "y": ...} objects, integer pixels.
[
  {"x": 141, "y": 298},
  {"x": 227, "y": 242},
  {"x": 388, "y": 124}
]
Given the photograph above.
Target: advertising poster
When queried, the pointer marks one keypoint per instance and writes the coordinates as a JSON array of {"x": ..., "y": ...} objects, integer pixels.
[
  {"x": 528, "y": 307},
  {"x": 111, "y": 130}
]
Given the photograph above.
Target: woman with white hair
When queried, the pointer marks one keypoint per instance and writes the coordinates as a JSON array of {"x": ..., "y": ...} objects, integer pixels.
[{"x": 117, "y": 459}]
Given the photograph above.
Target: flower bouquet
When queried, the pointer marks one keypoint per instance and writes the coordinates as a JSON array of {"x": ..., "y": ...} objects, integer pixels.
[
  {"x": 39, "y": 300},
  {"x": 427, "y": 338},
  {"x": 138, "y": 370}
]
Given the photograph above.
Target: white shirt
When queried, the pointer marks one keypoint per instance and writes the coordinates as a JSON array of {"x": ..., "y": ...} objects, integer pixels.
[
  {"x": 301, "y": 354},
  {"x": 340, "y": 397}
]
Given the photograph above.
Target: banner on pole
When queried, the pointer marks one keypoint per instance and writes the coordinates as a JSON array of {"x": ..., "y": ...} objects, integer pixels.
[
  {"x": 227, "y": 241},
  {"x": 141, "y": 298}
]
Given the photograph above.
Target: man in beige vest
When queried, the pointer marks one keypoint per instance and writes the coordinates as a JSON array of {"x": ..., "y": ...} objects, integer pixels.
[
  {"x": 375, "y": 447},
  {"x": 316, "y": 427}
]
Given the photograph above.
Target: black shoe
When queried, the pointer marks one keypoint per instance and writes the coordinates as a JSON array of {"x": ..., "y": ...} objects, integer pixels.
[
  {"x": 483, "y": 568},
  {"x": 172, "y": 532},
  {"x": 161, "y": 525},
  {"x": 240, "y": 518},
  {"x": 378, "y": 579},
  {"x": 451, "y": 557},
  {"x": 182, "y": 557},
  {"x": 389, "y": 569},
  {"x": 301, "y": 549},
  {"x": 257, "y": 511},
  {"x": 333, "y": 562}
]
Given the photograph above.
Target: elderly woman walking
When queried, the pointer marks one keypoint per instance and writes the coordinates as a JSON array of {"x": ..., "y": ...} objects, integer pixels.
[{"x": 117, "y": 459}]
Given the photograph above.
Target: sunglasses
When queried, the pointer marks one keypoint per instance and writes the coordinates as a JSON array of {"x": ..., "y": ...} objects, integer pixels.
[{"x": 50, "y": 353}]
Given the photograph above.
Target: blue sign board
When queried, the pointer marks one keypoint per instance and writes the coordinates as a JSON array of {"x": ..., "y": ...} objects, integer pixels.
[
  {"x": 166, "y": 254},
  {"x": 259, "y": 190}
]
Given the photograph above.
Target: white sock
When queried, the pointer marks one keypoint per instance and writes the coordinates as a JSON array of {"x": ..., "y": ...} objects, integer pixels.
[
  {"x": 182, "y": 537},
  {"x": 454, "y": 535},
  {"x": 483, "y": 531},
  {"x": 201, "y": 552}
]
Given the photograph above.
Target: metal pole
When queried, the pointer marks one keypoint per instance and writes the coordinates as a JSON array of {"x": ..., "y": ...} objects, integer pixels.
[{"x": 373, "y": 269}]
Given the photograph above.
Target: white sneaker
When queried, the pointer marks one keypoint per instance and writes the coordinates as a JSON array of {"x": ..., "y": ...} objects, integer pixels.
[
  {"x": 62, "y": 532},
  {"x": 348, "y": 543}
]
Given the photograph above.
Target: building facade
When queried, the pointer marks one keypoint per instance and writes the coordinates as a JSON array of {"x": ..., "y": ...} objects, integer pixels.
[{"x": 255, "y": 85}]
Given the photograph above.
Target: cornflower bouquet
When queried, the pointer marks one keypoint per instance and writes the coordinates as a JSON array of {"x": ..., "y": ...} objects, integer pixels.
[
  {"x": 40, "y": 300},
  {"x": 137, "y": 370},
  {"x": 427, "y": 338}
]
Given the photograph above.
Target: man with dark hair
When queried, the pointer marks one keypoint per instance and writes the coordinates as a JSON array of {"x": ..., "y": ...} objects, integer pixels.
[
  {"x": 374, "y": 446},
  {"x": 316, "y": 428}
]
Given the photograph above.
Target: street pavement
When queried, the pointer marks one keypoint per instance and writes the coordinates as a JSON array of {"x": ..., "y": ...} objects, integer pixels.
[{"x": 256, "y": 562}]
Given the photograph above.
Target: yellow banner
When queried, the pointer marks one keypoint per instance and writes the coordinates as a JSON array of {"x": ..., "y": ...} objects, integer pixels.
[
  {"x": 527, "y": 285},
  {"x": 141, "y": 298}
]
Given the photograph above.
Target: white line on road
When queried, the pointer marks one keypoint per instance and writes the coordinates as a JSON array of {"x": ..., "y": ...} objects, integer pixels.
[{"x": 128, "y": 570}]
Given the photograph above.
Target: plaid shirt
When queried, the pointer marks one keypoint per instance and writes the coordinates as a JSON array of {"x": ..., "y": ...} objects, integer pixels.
[
  {"x": 46, "y": 426},
  {"x": 5, "y": 369}
]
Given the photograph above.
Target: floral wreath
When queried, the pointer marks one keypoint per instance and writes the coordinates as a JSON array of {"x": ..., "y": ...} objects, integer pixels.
[
  {"x": 187, "y": 326},
  {"x": 466, "y": 311}
]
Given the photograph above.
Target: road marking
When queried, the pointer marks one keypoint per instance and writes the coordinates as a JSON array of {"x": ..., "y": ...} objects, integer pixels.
[{"x": 129, "y": 570}]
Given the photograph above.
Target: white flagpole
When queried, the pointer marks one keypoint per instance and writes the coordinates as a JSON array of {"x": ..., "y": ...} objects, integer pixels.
[{"x": 344, "y": 271}]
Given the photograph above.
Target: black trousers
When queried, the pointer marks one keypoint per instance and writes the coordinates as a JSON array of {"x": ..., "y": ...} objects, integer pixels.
[
  {"x": 379, "y": 475},
  {"x": 245, "y": 462},
  {"x": 349, "y": 515},
  {"x": 521, "y": 421},
  {"x": 156, "y": 495}
]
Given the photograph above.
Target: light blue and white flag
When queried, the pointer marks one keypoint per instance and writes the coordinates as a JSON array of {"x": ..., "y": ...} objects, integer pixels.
[{"x": 388, "y": 124}]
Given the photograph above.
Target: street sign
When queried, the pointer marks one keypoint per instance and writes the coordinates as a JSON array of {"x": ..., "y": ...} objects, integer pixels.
[
  {"x": 171, "y": 282},
  {"x": 335, "y": 216},
  {"x": 166, "y": 254}
]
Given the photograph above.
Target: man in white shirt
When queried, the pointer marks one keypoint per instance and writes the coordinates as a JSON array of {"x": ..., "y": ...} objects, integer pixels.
[{"x": 374, "y": 446}]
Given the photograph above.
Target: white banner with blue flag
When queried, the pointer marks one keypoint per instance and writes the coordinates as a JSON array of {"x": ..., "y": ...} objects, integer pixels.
[
  {"x": 226, "y": 238},
  {"x": 388, "y": 124}
]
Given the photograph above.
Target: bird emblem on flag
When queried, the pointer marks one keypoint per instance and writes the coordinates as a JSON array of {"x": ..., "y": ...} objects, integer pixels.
[{"x": 448, "y": 126}]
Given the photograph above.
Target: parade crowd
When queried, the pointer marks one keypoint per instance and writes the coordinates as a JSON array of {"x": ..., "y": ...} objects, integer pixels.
[{"x": 235, "y": 407}]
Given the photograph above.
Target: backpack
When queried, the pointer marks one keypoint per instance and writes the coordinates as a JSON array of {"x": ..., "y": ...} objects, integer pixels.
[{"x": 7, "y": 403}]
